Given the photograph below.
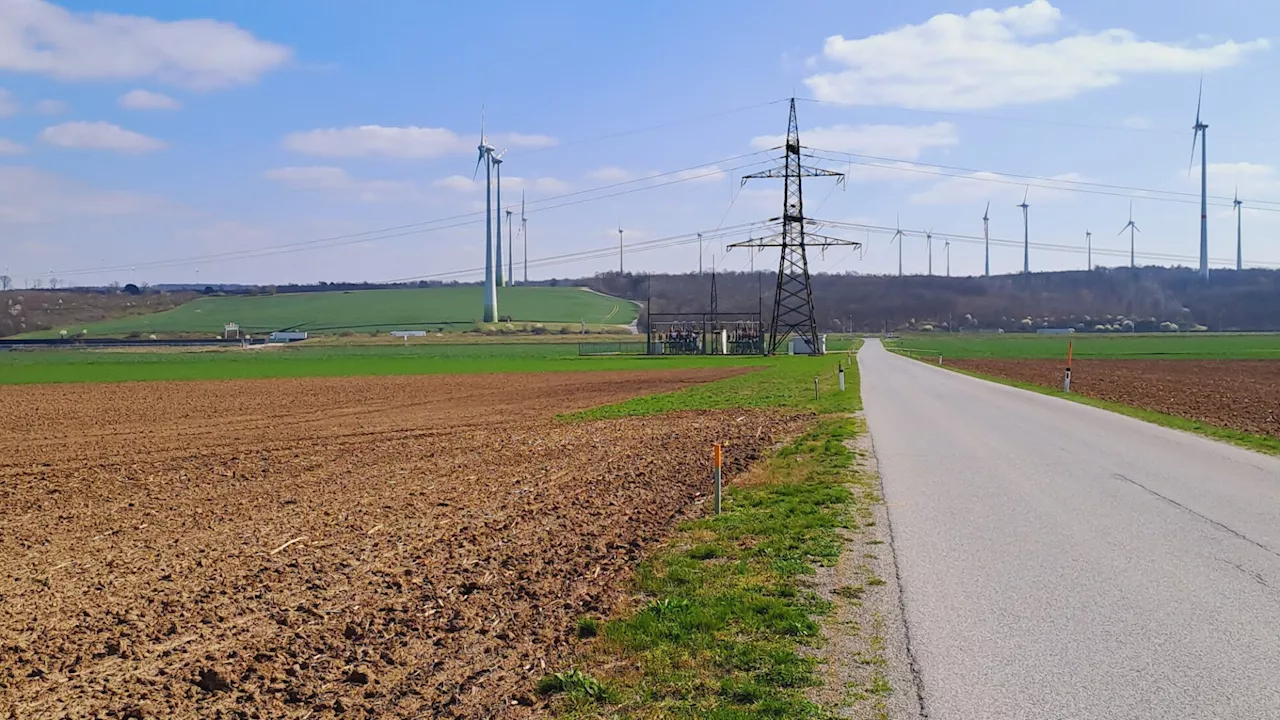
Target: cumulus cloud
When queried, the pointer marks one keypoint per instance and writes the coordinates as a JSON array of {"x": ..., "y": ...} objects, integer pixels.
[
  {"x": 904, "y": 141},
  {"x": 709, "y": 174},
  {"x": 990, "y": 58},
  {"x": 983, "y": 186},
  {"x": 542, "y": 185},
  {"x": 1254, "y": 180},
  {"x": 401, "y": 142},
  {"x": 8, "y": 106},
  {"x": 51, "y": 107},
  {"x": 337, "y": 181},
  {"x": 147, "y": 100},
  {"x": 41, "y": 38},
  {"x": 609, "y": 174},
  {"x": 30, "y": 195},
  {"x": 99, "y": 136},
  {"x": 9, "y": 147}
]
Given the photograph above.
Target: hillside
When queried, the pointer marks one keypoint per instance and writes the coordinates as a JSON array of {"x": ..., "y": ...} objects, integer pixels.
[
  {"x": 1147, "y": 297},
  {"x": 29, "y": 311},
  {"x": 440, "y": 309}
]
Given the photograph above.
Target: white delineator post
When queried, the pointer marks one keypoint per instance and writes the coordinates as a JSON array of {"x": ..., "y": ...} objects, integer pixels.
[
  {"x": 1066, "y": 378},
  {"x": 841, "y": 378}
]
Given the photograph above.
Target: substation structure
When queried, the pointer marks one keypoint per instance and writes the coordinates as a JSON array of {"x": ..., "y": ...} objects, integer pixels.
[{"x": 705, "y": 333}]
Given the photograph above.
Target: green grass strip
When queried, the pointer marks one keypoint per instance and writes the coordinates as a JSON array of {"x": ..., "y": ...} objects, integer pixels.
[{"x": 726, "y": 617}]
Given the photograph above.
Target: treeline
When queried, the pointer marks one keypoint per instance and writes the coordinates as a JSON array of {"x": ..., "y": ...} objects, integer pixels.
[{"x": 1105, "y": 299}]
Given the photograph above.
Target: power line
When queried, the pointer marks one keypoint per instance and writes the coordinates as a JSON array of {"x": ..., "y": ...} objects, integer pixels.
[{"x": 421, "y": 227}]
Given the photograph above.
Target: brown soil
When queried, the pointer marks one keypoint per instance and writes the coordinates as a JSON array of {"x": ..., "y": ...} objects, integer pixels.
[
  {"x": 1241, "y": 395},
  {"x": 374, "y": 547}
]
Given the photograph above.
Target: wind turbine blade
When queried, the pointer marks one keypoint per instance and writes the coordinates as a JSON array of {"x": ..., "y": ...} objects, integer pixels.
[
  {"x": 1199, "y": 97},
  {"x": 479, "y": 160},
  {"x": 1126, "y": 227},
  {"x": 1194, "y": 136},
  {"x": 988, "y": 210},
  {"x": 1024, "y": 194},
  {"x": 1135, "y": 227}
]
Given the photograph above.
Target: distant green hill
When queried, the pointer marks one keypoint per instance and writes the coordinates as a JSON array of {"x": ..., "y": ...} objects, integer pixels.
[{"x": 443, "y": 309}]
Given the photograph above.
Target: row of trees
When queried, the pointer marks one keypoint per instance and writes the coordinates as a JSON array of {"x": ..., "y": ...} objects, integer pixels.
[{"x": 1246, "y": 300}]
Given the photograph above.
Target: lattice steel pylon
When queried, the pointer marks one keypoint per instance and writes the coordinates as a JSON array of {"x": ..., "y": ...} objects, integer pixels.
[{"x": 793, "y": 298}]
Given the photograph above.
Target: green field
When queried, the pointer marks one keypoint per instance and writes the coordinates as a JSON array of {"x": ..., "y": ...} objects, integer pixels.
[
  {"x": 1204, "y": 346},
  {"x": 49, "y": 366},
  {"x": 436, "y": 309}
]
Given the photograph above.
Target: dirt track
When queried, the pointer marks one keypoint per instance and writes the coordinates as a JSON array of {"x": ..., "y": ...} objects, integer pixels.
[
  {"x": 375, "y": 547},
  {"x": 1238, "y": 394}
]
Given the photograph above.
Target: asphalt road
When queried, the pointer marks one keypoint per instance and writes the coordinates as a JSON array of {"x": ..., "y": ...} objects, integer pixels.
[{"x": 1062, "y": 562}]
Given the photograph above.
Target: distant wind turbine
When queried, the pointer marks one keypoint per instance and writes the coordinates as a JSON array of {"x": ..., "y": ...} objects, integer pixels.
[
  {"x": 1237, "y": 205},
  {"x": 1202, "y": 130},
  {"x": 928, "y": 243},
  {"x": 986, "y": 241},
  {"x": 1131, "y": 227},
  {"x": 1026, "y": 234},
  {"x": 946, "y": 246},
  {"x": 897, "y": 236},
  {"x": 524, "y": 236},
  {"x": 1088, "y": 248},
  {"x": 501, "y": 279},
  {"x": 511, "y": 253}
]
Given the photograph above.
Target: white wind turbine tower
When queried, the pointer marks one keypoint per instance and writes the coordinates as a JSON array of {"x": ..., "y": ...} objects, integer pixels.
[
  {"x": 511, "y": 253},
  {"x": 1202, "y": 130},
  {"x": 501, "y": 280},
  {"x": 1026, "y": 234},
  {"x": 946, "y": 246},
  {"x": 619, "y": 247},
  {"x": 1131, "y": 227},
  {"x": 1239, "y": 255},
  {"x": 898, "y": 236},
  {"x": 524, "y": 236},
  {"x": 986, "y": 241},
  {"x": 490, "y": 286},
  {"x": 1088, "y": 249},
  {"x": 928, "y": 244}
]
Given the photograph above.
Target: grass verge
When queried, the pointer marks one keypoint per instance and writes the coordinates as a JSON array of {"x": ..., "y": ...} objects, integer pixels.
[
  {"x": 785, "y": 382},
  {"x": 1249, "y": 441},
  {"x": 724, "y": 613}
]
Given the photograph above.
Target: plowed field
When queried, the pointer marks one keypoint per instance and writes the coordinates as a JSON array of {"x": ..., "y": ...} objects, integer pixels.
[
  {"x": 1241, "y": 395},
  {"x": 374, "y": 547}
]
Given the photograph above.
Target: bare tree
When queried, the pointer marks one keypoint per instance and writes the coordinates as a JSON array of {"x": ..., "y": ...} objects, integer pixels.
[
  {"x": 53, "y": 283},
  {"x": 37, "y": 284},
  {"x": 6, "y": 282}
]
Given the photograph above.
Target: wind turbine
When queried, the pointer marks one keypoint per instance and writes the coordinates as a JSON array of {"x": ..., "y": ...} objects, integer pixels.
[
  {"x": 1131, "y": 227},
  {"x": 699, "y": 253},
  {"x": 619, "y": 247},
  {"x": 946, "y": 246},
  {"x": 497, "y": 168},
  {"x": 1026, "y": 234},
  {"x": 898, "y": 237},
  {"x": 986, "y": 240},
  {"x": 524, "y": 235},
  {"x": 1202, "y": 130},
  {"x": 1237, "y": 204},
  {"x": 511, "y": 253},
  {"x": 490, "y": 288},
  {"x": 928, "y": 243},
  {"x": 1088, "y": 248}
]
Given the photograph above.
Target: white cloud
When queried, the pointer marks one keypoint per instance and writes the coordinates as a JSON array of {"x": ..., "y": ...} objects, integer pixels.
[
  {"x": 8, "y": 106},
  {"x": 609, "y": 174},
  {"x": 401, "y": 142},
  {"x": 709, "y": 174},
  {"x": 1252, "y": 179},
  {"x": 991, "y": 58},
  {"x": 41, "y": 38},
  {"x": 99, "y": 136},
  {"x": 543, "y": 185},
  {"x": 9, "y": 147},
  {"x": 147, "y": 100},
  {"x": 30, "y": 195},
  {"x": 983, "y": 186},
  {"x": 1137, "y": 122},
  {"x": 336, "y": 180},
  {"x": 904, "y": 141},
  {"x": 51, "y": 107}
]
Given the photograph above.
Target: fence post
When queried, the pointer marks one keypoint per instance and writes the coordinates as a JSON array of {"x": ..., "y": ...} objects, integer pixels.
[
  {"x": 1066, "y": 378},
  {"x": 717, "y": 473},
  {"x": 815, "y": 388}
]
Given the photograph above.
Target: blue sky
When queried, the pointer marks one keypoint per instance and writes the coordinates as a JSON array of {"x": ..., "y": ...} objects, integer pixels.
[{"x": 194, "y": 141}]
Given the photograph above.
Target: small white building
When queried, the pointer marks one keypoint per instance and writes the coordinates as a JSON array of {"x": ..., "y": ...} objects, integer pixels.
[{"x": 800, "y": 346}]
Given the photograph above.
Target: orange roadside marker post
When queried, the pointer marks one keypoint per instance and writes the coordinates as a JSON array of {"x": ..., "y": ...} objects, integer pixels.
[{"x": 719, "y": 479}]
